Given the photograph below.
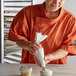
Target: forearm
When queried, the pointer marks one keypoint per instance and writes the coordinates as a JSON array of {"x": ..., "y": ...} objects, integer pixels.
[
  {"x": 60, "y": 53},
  {"x": 32, "y": 47},
  {"x": 23, "y": 44}
]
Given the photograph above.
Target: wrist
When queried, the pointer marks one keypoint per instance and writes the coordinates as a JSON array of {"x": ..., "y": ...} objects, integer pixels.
[{"x": 51, "y": 57}]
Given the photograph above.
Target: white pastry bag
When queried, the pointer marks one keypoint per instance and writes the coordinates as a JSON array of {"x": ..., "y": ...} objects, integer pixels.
[{"x": 40, "y": 54}]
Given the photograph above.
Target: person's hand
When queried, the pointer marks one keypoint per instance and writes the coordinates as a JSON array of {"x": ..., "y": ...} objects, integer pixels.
[
  {"x": 33, "y": 47},
  {"x": 36, "y": 61},
  {"x": 48, "y": 58}
]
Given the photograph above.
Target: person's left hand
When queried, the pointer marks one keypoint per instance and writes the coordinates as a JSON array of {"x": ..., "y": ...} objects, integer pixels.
[{"x": 48, "y": 58}]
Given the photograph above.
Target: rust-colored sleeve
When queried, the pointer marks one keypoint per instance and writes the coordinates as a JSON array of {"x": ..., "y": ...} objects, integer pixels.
[
  {"x": 19, "y": 27},
  {"x": 69, "y": 43}
]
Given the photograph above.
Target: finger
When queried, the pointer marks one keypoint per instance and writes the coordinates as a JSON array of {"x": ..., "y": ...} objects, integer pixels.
[
  {"x": 32, "y": 51},
  {"x": 47, "y": 61},
  {"x": 32, "y": 47},
  {"x": 47, "y": 57},
  {"x": 36, "y": 47},
  {"x": 37, "y": 44}
]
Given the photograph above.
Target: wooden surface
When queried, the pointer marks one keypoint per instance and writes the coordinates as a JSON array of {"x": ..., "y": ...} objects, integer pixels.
[{"x": 58, "y": 70}]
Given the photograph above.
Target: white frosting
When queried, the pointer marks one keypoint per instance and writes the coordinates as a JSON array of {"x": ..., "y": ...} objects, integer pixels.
[
  {"x": 25, "y": 68},
  {"x": 46, "y": 72}
]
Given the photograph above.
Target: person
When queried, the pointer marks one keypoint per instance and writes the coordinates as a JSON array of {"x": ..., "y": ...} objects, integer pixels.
[{"x": 51, "y": 19}]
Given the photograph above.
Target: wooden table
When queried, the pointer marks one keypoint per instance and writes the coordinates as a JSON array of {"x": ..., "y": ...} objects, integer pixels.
[{"x": 58, "y": 70}]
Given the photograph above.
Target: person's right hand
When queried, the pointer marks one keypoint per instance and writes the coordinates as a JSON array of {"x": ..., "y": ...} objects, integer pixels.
[{"x": 33, "y": 47}]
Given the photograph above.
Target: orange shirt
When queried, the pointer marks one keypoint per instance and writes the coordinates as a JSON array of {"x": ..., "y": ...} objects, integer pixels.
[{"x": 61, "y": 31}]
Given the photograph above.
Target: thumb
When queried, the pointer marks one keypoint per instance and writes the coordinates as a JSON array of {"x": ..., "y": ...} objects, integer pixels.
[{"x": 45, "y": 58}]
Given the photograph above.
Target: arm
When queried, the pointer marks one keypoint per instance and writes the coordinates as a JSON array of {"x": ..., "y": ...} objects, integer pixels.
[
  {"x": 23, "y": 44},
  {"x": 60, "y": 53},
  {"x": 67, "y": 46},
  {"x": 32, "y": 47}
]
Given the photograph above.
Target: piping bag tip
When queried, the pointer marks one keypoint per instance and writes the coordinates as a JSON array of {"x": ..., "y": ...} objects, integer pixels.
[{"x": 43, "y": 68}]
